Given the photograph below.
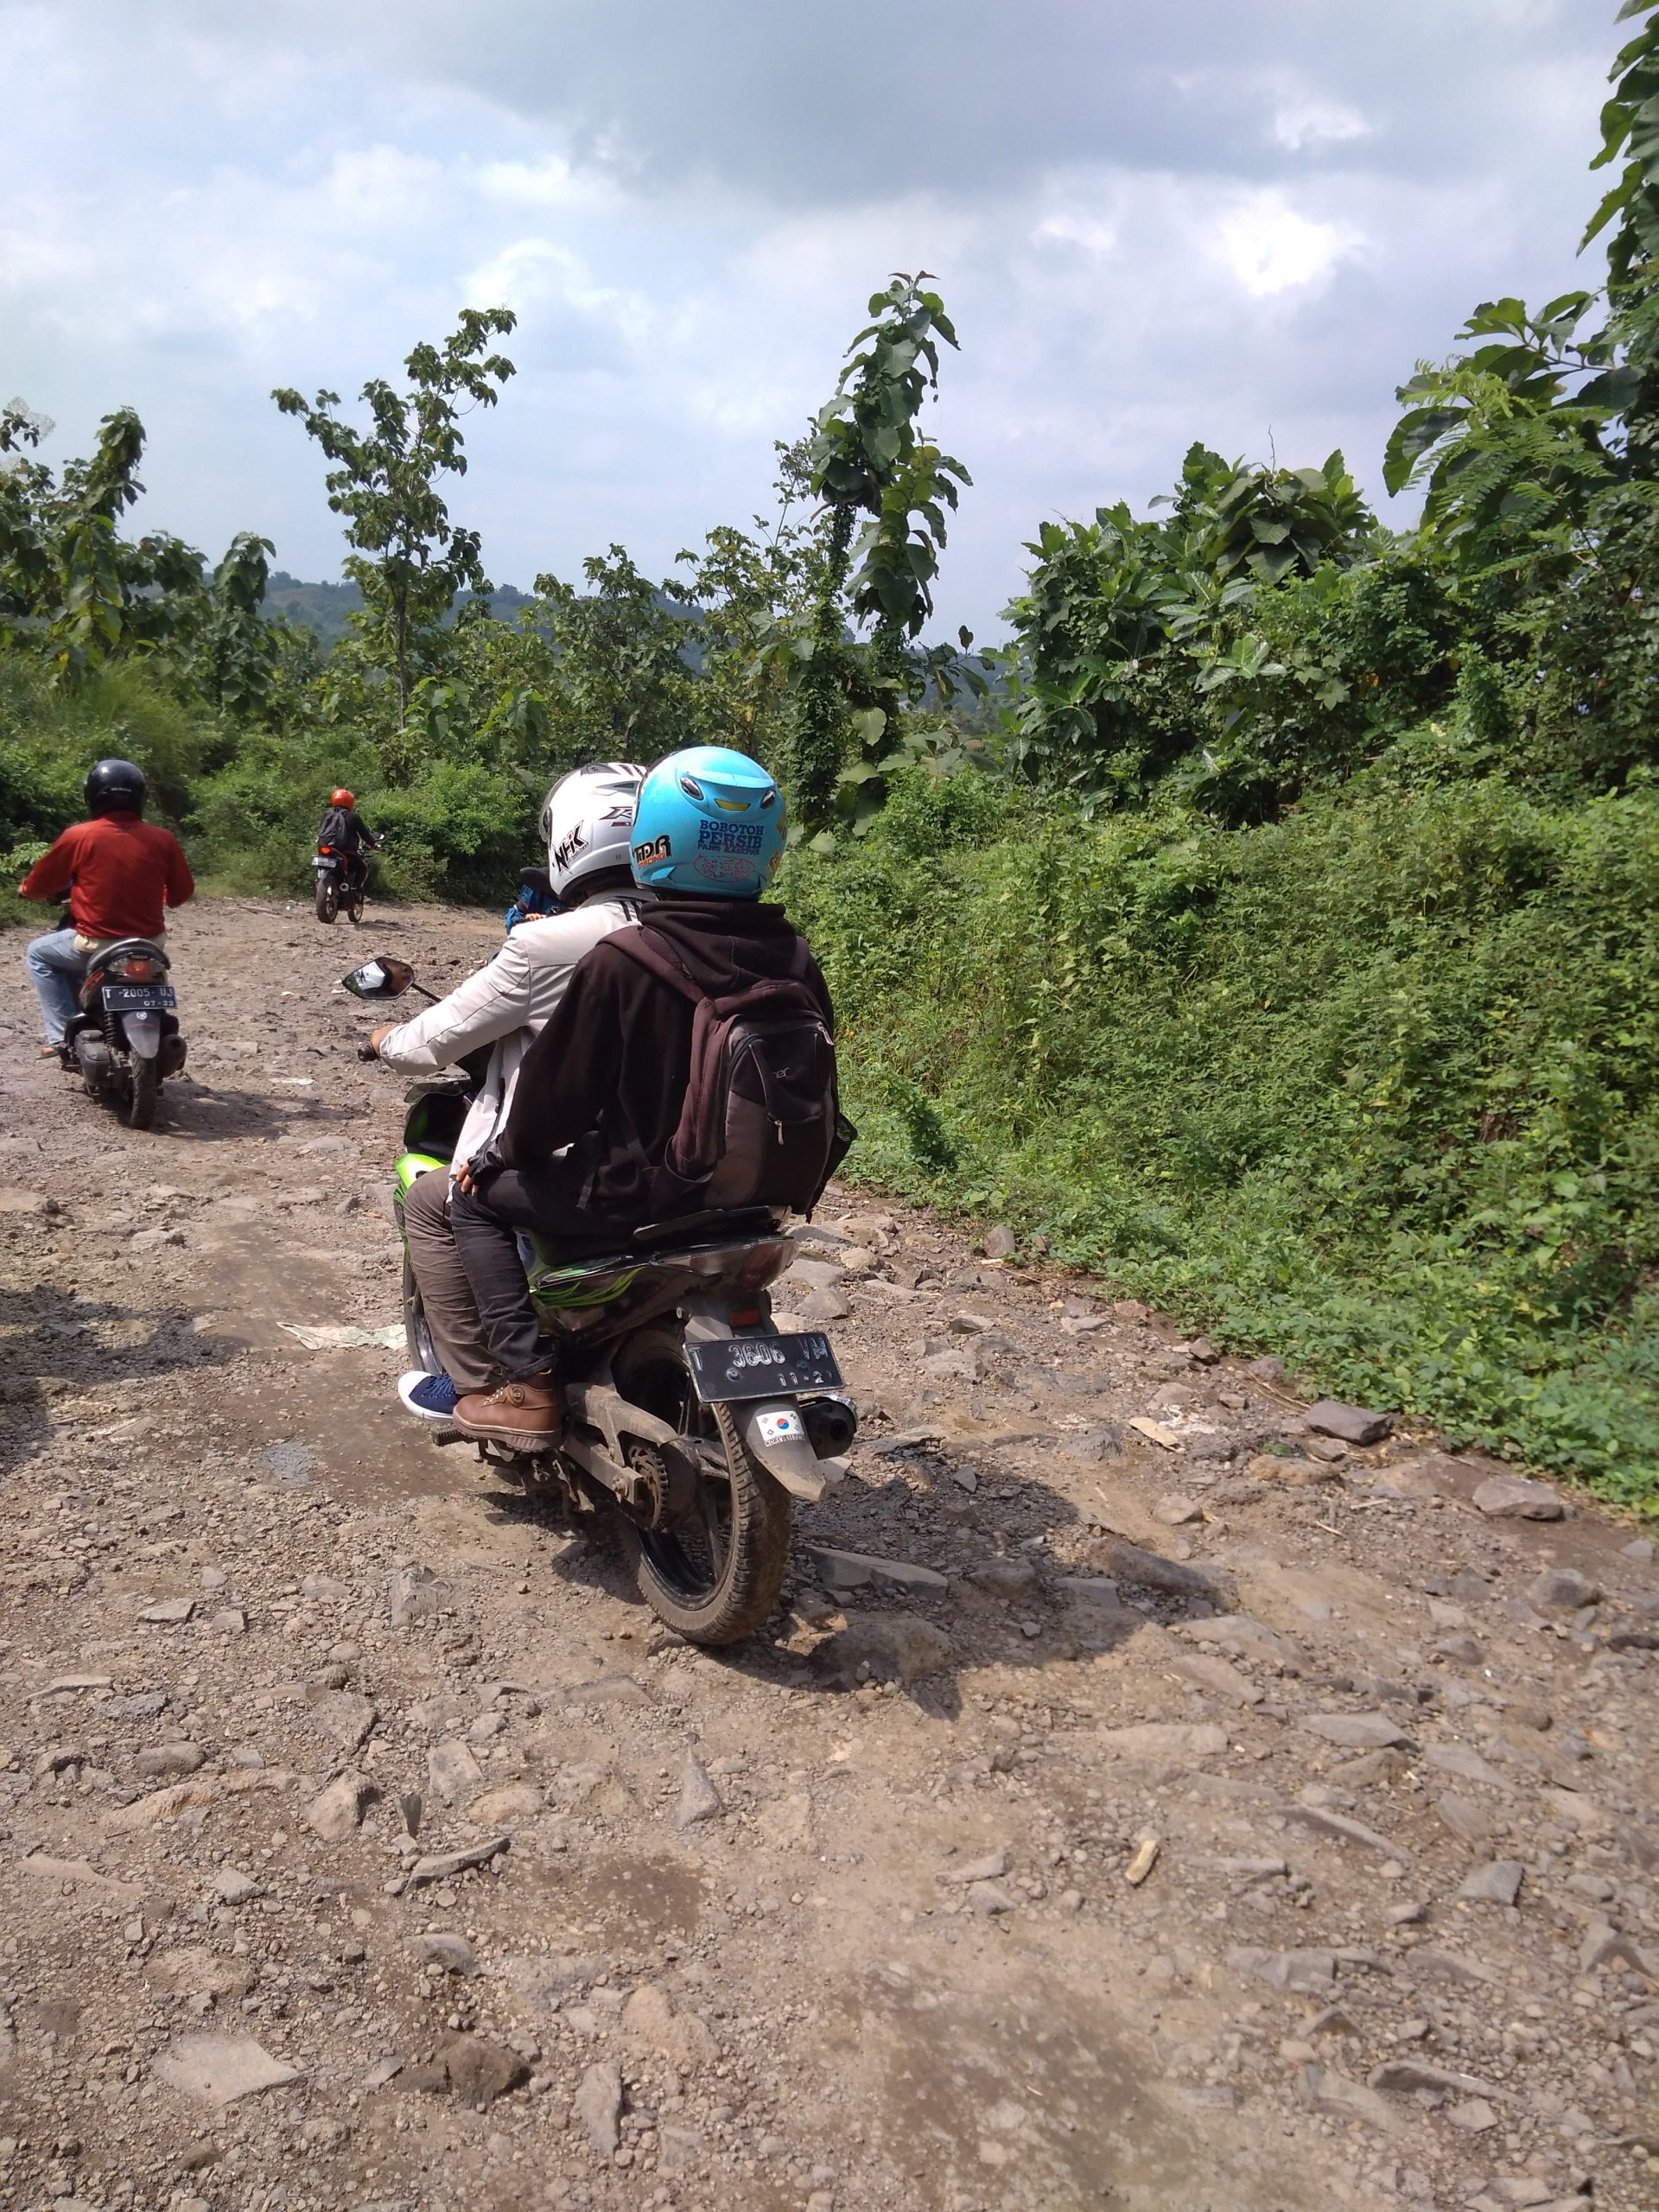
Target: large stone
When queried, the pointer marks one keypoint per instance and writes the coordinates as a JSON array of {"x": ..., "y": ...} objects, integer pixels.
[
  {"x": 681, "y": 2038},
  {"x": 1562, "y": 1589},
  {"x": 839, "y": 1570},
  {"x": 439, "y": 1865},
  {"x": 1333, "y": 2093},
  {"x": 1404, "y": 2076},
  {"x": 1466, "y": 1822},
  {"x": 451, "y": 1771},
  {"x": 1001, "y": 1244},
  {"x": 337, "y": 1812},
  {"x": 1509, "y": 1497},
  {"x": 412, "y": 1596},
  {"x": 169, "y": 1612},
  {"x": 1354, "y": 1732},
  {"x": 1152, "y": 1571},
  {"x": 480, "y": 2070},
  {"x": 1351, "y": 1424},
  {"x": 1218, "y": 1677},
  {"x": 598, "y": 2104},
  {"x": 219, "y": 2069},
  {"x": 1247, "y": 1639},
  {"x": 1006, "y": 1578},
  {"x": 699, "y": 1799},
  {"x": 167, "y": 1762},
  {"x": 1322, "y": 1819},
  {"x": 885, "y": 1647},
  {"x": 168, "y": 1804},
  {"x": 1177, "y": 1740},
  {"x": 345, "y": 1718},
  {"x": 1464, "y": 1761},
  {"x": 450, "y": 1951},
  {"x": 1499, "y": 1883},
  {"x": 502, "y": 1807},
  {"x": 1312, "y": 1972},
  {"x": 804, "y": 1276}
]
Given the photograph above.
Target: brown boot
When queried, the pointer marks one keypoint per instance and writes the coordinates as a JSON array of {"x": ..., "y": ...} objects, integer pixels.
[{"x": 527, "y": 1415}]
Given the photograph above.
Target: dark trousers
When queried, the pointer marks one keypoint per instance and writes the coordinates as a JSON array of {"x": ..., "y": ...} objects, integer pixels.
[{"x": 486, "y": 1242}]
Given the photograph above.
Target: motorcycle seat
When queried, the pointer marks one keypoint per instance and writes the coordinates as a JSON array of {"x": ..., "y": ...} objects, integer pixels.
[
  {"x": 119, "y": 947},
  {"x": 715, "y": 1225}
]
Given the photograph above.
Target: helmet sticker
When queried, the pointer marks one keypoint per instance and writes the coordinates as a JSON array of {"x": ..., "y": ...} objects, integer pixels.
[
  {"x": 567, "y": 848},
  {"x": 723, "y": 868},
  {"x": 731, "y": 805},
  {"x": 660, "y": 849},
  {"x": 729, "y": 836}
]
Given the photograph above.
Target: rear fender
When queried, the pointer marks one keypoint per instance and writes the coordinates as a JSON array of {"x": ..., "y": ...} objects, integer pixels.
[
  {"x": 776, "y": 1435},
  {"x": 143, "y": 1034},
  {"x": 411, "y": 1164}
]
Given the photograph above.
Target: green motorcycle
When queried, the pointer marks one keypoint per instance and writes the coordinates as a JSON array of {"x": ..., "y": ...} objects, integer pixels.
[{"x": 688, "y": 1419}]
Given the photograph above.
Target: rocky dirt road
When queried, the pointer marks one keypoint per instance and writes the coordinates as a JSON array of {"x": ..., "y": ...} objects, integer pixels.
[{"x": 1143, "y": 1800}]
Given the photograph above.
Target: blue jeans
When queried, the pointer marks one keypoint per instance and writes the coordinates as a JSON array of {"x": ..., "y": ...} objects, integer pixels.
[{"x": 57, "y": 971}]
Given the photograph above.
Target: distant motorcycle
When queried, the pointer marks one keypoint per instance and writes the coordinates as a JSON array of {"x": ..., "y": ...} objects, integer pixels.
[
  {"x": 687, "y": 1417},
  {"x": 125, "y": 1040},
  {"x": 338, "y": 884}
]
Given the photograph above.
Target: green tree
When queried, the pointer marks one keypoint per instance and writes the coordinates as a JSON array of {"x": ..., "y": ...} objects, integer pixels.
[
  {"x": 409, "y": 560},
  {"x": 624, "y": 688},
  {"x": 70, "y": 585},
  {"x": 866, "y": 457}
]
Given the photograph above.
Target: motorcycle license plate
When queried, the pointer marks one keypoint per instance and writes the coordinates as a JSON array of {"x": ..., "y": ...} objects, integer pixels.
[
  {"x": 140, "y": 998},
  {"x": 762, "y": 1367}
]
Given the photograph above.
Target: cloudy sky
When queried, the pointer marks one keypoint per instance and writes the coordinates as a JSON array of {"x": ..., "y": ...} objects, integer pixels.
[{"x": 1152, "y": 220}]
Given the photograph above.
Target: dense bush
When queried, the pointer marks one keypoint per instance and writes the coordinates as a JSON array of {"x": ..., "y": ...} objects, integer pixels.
[{"x": 1374, "y": 1085}]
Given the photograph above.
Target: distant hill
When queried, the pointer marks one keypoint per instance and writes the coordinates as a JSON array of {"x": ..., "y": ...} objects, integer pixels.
[{"x": 327, "y": 608}]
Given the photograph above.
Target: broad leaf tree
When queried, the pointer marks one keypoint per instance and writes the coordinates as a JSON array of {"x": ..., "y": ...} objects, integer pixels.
[
  {"x": 408, "y": 561},
  {"x": 867, "y": 458}
]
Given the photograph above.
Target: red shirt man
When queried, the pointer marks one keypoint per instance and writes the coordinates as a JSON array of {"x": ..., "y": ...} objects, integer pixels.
[
  {"x": 119, "y": 871},
  {"x": 121, "y": 874}
]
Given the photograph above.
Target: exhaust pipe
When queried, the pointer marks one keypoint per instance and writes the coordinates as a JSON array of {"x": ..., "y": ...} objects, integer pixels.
[{"x": 831, "y": 1424}]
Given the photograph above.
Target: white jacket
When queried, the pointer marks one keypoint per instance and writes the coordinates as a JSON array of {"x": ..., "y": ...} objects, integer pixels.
[{"x": 504, "y": 1005}]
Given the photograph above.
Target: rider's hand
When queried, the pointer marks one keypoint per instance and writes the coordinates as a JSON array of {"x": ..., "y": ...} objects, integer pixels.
[
  {"x": 377, "y": 1037},
  {"x": 464, "y": 1180}
]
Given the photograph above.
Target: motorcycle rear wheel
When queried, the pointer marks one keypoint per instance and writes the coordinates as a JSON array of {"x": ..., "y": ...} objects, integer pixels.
[
  {"x": 138, "y": 1107},
  {"x": 417, "y": 1334},
  {"x": 327, "y": 899},
  {"x": 354, "y": 906},
  {"x": 716, "y": 1576}
]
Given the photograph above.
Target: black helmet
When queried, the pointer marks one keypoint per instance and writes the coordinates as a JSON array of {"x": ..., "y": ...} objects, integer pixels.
[{"x": 115, "y": 786}]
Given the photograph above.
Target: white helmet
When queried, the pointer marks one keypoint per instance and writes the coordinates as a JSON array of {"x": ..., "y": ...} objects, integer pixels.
[{"x": 586, "y": 822}]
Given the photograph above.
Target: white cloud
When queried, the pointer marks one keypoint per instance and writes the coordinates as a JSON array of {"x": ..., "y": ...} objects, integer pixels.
[
  {"x": 1270, "y": 248},
  {"x": 1304, "y": 125}
]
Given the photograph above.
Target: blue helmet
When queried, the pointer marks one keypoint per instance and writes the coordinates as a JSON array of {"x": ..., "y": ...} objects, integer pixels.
[{"x": 708, "y": 819}]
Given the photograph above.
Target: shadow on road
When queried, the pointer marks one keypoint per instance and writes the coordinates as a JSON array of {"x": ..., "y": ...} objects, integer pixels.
[{"x": 53, "y": 1344}]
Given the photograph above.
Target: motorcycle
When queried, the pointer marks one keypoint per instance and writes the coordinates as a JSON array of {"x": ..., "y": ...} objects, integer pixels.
[
  {"x": 337, "y": 885},
  {"x": 691, "y": 1421},
  {"x": 126, "y": 1037}
]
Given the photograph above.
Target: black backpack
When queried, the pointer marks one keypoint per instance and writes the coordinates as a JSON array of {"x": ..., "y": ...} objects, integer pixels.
[
  {"x": 333, "y": 830},
  {"x": 761, "y": 1124}
]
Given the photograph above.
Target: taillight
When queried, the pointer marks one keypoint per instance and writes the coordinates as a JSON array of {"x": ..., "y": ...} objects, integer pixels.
[{"x": 139, "y": 972}]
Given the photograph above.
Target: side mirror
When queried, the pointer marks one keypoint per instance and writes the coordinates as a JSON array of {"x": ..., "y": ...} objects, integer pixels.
[{"x": 383, "y": 977}]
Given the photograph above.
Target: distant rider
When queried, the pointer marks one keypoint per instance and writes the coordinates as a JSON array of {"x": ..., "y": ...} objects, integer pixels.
[
  {"x": 344, "y": 828},
  {"x": 535, "y": 896},
  {"x": 586, "y": 824},
  {"x": 119, "y": 870}
]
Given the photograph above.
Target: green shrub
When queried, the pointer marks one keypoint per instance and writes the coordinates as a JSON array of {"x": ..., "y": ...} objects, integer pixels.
[{"x": 1374, "y": 1085}]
